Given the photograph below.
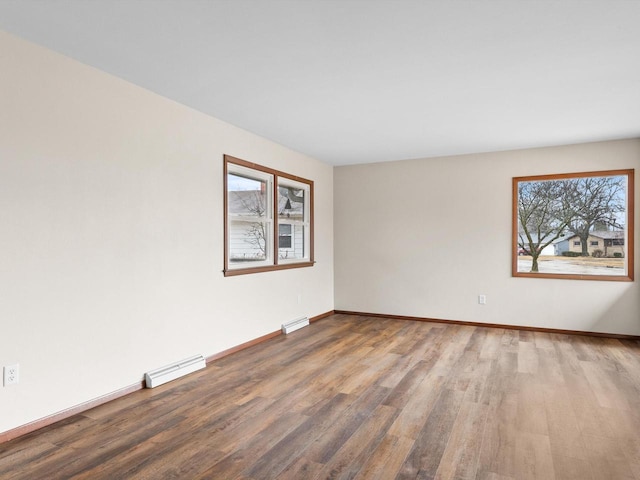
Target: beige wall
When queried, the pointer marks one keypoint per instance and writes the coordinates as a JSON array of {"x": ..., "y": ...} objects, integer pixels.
[
  {"x": 425, "y": 237},
  {"x": 112, "y": 236}
]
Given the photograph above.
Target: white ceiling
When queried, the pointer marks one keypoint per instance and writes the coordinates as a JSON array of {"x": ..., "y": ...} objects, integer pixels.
[{"x": 355, "y": 81}]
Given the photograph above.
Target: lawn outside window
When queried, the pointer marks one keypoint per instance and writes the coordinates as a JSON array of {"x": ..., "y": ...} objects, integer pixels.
[{"x": 268, "y": 219}]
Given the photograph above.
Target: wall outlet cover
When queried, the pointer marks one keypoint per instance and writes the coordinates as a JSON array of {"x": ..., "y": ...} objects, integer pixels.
[{"x": 11, "y": 374}]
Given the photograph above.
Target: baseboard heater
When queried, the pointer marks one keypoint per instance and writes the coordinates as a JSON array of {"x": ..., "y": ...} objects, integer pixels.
[
  {"x": 173, "y": 371},
  {"x": 294, "y": 325}
]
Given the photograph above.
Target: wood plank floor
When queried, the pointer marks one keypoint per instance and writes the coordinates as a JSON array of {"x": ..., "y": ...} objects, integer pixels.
[{"x": 367, "y": 398}]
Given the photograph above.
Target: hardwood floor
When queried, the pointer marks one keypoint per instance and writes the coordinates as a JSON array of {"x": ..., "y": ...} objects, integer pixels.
[{"x": 356, "y": 397}]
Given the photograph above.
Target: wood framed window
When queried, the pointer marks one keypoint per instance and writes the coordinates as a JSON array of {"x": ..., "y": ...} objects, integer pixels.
[
  {"x": 574, "y": 226},
  {"x": 268, "y": 219}
]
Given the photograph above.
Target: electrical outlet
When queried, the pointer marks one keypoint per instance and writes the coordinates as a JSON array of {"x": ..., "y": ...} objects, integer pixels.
[
  {"x": 482, "y": 299},
  {"x": 11, "y": 374}
]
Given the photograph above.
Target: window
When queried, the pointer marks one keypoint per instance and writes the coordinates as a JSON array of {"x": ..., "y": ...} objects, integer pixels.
[
  {"x": 268, "y": 219},
  {"x": 284, "y": 238},
  {"x": 565, "y": 216}
]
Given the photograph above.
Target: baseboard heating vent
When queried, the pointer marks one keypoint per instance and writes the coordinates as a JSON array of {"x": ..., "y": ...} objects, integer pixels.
[
  {"x": 173, "y": 371},
  {"x": 294, "y": 325}
]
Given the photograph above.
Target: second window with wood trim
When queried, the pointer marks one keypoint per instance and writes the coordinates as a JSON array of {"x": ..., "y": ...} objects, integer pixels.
[{"x": 268, "y": 218}]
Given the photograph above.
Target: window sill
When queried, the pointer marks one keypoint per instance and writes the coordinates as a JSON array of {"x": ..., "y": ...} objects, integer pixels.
[{"x": 269, "y": 268}]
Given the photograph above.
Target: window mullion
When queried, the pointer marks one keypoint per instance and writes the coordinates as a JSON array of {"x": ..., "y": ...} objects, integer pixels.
[{"x": 274, "y": 216}]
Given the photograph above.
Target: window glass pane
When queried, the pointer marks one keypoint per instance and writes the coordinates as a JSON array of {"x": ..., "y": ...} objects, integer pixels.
[
  {"x": 248, "y": 242},
  {"x": 291, "y": 202},
  {"x": 247, "y": 196},
  {"x": 292, "y": 244},
  {"x": 249, "y": 228},
  {"x": 293, "y": 217}
]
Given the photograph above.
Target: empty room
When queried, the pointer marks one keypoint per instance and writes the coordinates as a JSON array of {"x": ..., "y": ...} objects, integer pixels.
[{"x": 313, "y": 239}]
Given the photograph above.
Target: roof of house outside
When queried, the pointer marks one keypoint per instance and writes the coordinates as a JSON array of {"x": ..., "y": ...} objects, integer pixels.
[{"x": 604, "y": 234}]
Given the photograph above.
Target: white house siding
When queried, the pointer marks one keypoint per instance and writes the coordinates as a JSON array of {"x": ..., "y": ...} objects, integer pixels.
[
  {"x": 298, "y": 242},
  {"x": 241, "y": 248}
]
